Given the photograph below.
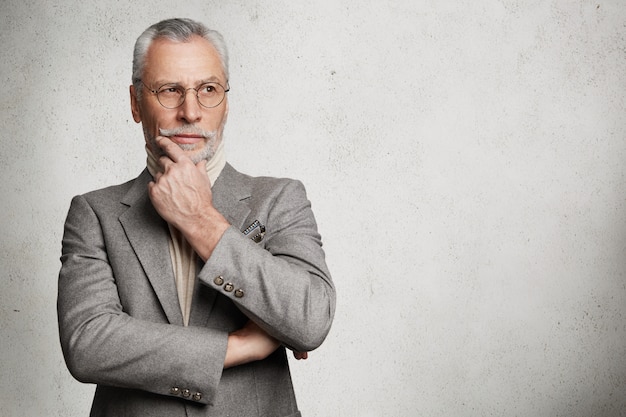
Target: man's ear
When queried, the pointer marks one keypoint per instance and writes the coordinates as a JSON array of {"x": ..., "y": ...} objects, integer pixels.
[{"x": 134, "y": 104}]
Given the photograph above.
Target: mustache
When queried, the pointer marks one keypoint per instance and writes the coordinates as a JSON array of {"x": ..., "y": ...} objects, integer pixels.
[{"x": 187, "y": 130}]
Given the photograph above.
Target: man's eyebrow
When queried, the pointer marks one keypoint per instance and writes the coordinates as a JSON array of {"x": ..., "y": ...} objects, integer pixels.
[{"x": 160, "y": 83}]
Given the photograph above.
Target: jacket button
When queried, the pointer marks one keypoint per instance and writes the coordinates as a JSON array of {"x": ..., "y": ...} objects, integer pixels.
[
  {"x": 229, "y": 287},
  {"x": 239, "y": 293},
  {"x": 197, "y": 396},
  {"x": 218, "y": 280},
  {"x": 186, "y": 393},
  {"x": 174, "y": 390}
]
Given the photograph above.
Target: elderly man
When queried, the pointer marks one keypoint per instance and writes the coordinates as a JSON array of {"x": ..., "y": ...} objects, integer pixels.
[{"x": 180, "y": 291}]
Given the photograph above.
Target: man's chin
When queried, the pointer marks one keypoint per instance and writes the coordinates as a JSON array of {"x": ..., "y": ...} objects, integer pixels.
[
  {"x": 205, "y": 153},
  {"x": 195, "y": 151},
  {"x": 188, "y": 147}
]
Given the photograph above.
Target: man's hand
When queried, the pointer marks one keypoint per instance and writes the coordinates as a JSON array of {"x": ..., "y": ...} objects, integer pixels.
[
  {"x": 300, "y": 355},
  {"x": 249, "y": 344},
  {"x": 182, "y": 195}
]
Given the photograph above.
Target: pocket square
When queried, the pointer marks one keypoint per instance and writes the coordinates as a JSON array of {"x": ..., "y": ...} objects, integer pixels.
[{"x": 256, "y": 231}]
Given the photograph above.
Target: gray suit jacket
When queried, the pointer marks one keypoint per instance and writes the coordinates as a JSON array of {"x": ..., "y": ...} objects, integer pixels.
[{"x": 120, "y": 321}]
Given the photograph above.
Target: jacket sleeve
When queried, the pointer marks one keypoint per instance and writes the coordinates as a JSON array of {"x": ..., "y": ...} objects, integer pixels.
[
  {"x": 282, "y": 283},
  {"x": 103, "y": 344}
]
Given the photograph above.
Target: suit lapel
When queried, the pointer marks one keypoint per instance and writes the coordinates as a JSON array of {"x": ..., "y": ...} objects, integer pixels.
[
  {"x": 230, "y": 194},
  {"x": 148, "y": 235}
]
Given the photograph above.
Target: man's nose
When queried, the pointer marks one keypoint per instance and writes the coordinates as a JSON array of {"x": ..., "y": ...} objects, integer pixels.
[{"x": 190, "y": 111}]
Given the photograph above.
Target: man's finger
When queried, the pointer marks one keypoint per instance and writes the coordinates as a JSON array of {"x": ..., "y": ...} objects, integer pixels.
[
  {"x": 171, "y": 149},
  {"x": 201, "y": 165},
  {"x": 164, "y": 161}
]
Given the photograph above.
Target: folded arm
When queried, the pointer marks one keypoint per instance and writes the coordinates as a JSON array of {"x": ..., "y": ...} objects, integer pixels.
[{"x": 281, "y": 283}]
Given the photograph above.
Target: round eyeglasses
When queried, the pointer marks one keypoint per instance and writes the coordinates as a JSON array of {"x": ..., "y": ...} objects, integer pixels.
[{"x": 171, "y": 96}]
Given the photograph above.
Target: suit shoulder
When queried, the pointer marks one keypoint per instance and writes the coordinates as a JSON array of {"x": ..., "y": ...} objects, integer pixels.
[
  {"x": 267, "y": 183},
  {"x": 110, "y": 192},
  {"x": 114, "y": 193}
]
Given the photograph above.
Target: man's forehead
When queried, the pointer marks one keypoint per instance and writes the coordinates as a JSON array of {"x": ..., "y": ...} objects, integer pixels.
[{"x": 196, "y": 58}]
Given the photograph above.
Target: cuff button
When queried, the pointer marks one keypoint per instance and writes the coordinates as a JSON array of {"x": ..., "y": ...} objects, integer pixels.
[
  {"x": 229, "y": 287},
  {"x": 174, "y": 390},
  {"x": 186, "y": 393},
  {"x": 218, "y": 280},
  {"x": 239, "y": 293},
  {"x": 197, "y": 396}
]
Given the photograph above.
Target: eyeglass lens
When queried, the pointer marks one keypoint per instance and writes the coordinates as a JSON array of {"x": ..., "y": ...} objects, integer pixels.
[{"x": 209, "y": 95}]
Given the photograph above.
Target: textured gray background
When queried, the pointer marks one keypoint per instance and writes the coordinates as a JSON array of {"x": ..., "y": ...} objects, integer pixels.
[{"x": 465, "y": 161}]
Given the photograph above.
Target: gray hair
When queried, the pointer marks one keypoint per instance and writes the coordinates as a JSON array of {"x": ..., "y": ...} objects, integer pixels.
[{"x": 177, "y": 30}]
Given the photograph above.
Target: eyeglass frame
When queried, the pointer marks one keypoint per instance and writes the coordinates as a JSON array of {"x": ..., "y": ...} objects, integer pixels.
[{"x": 196, "y": 89}]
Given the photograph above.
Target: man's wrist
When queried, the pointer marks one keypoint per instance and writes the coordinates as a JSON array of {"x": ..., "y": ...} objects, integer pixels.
[
  {"x": 205, "y": 234},
  {"x": 238, "y": 350}
]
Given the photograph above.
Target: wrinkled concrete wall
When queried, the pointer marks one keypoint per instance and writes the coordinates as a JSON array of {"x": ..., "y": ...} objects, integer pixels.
[{"x": 465, "y": 161}]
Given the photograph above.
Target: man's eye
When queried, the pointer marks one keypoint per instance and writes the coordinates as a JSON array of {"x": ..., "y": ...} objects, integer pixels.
[
  {"x": 208, "y": 88},
  {"x": 169, "y": 91}
]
